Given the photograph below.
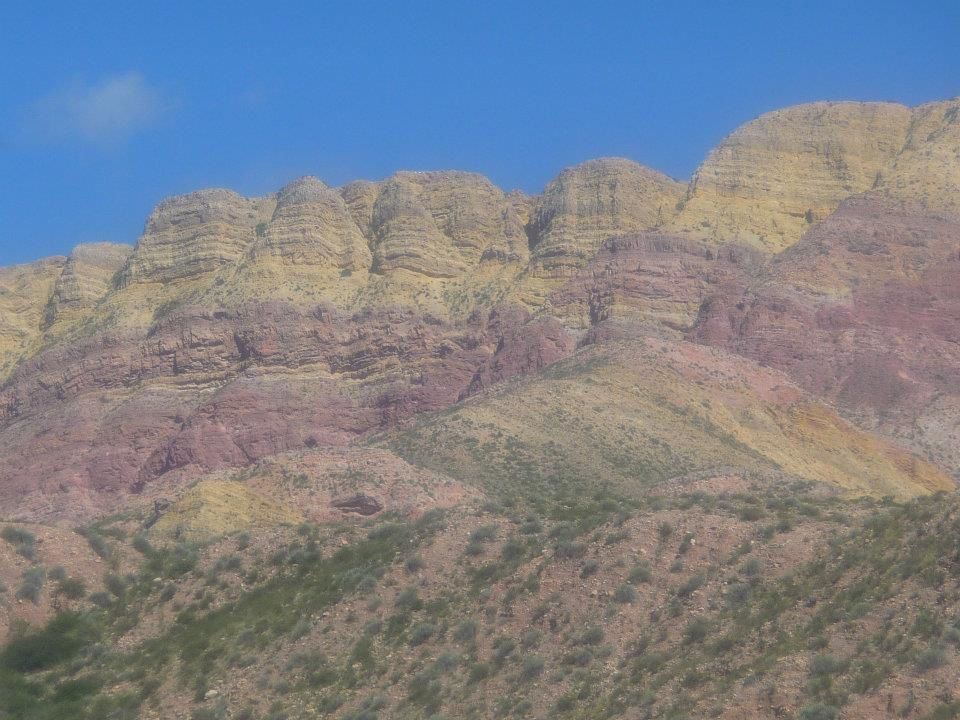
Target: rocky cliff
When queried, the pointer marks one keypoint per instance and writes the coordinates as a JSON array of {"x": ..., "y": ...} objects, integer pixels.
[{"x": 238, "y": 328}]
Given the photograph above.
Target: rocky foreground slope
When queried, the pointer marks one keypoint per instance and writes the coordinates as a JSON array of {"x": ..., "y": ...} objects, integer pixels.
[{"x": 375, "y": 451}]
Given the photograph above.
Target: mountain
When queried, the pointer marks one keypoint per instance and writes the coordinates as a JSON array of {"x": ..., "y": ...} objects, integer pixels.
[{"x": 422, "y": 447}]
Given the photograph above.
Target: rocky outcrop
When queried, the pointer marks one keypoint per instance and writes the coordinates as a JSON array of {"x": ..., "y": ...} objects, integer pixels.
[
  {"x": 312, "y": 226},
  {"x": 591, "y": 202},
  {"x": 441, "y": 224},
  {"x": 241, "y": 328},
  {"x": 192, "y": 235},
  {"x": 87, "y": 277},
  {"x": 25, "y": 291},
  {"x": 97, "y": 419},
  {"x": 771, "y": 178},
  {"x": 865, "y": 311},
  {"x": 651, "y": 284},
  {"x": 928, "y": 167}
]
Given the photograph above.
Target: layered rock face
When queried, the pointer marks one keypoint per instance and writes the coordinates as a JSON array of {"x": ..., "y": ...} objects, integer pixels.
[
  {"x": 865, "y": 310},
  {"x": 651, "y": 284},
  {"x": 312, "y": 226},
  {"x": 239, "y": 328},
  {"x": 87, "y": 277},
  {"x": 196, "y": 234},
  {"x": 441, "y": 224},
  {"x": 25, "y": 291},
  {"x": 84, "y": 424},
  {"x": 928, "y": 167},
  {"x": 591, "y": 202},
  {"x": 771, "y": 178}
]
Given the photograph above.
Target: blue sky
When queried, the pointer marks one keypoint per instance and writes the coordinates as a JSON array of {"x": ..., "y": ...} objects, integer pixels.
[{"x": 106, "y": 108}]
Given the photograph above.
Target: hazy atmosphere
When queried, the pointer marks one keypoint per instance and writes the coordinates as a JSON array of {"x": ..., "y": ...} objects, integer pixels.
[{"x": 480, "y": 361}]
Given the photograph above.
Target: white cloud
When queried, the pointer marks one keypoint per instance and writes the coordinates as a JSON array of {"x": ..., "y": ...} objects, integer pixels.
[{"x": 105, "y": 113}]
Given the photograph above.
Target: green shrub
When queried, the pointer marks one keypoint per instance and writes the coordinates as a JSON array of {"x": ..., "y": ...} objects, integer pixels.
[
  {"x": 569, "y": 550},
  {"x": 625, "y": 594},
  {"x": 532, "y": 667},
  {"x": 513, "y": 549},
  {"x": 425, "y": 690},
  {"x": 421, "y": 632},
  {"x": 486, "y": 533},
  {"x": 664, "y": 531},
  {"x": 531, "y": 638},
  {"x": 71, "y": 588},
  {"x": 640, "y": 573},
  {"x": 57, "y": 573},
  {"x": 696, "y": 632},
  {"x": 408, "y": 599},
  {"x": 933, "y": 657},
  {"x": 531, "y": 527},
  {"x": 465, "y": 632},
  {"x": 752, "y": 568},
  {"x": 693, "y": 583},
  {"x": 825, "y": 665},
  {"x": 479, "y": 671},
  {"x": 590, "y": 636},
  {"x": 818, "y": 711},
  {"x": 24, "y": 542},
  {"x": 589, "y": 567},
  {"x": 503, "y": 647},
  {"x": 414, "y": 563},
  {"x": 101, "y": 599},
  {"x": 62, "y": 639},
  {"x": 31, "y": 584},
  {"x": 98, "y": 544},
  {"x": 141, "y": 544}
]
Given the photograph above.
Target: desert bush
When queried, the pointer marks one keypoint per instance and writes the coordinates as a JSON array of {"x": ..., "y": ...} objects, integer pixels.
[
  {"x": 466, "y": 631},
  {"x": 98, "y": 544},
  {"x": 933, "y": 657},
  {"x": 62, "y": 639},
  {"x": 818, "y": 711},
  {"x": 479, "y": 671},
  {"x": 589, "y": 636},
  {"x": 696, "y": 632},
  {"x": 640, "y": 573},
  {"x": 589, "y": 567},
  {"x": 569, "y": 550},
  {"x": 531, "y": 527},
  {"x": 408, "y": 599},
  {"x": 141, "y": 544},
  {"x": 31, "y": 584},
  {"x": 414, "y": 563},
  {"x": 579, "y": 658},
  {"x": 101, "y": 599},
  {"x": 485, "y": 533},
  {"x": 421, "y": 632},
  {"x": 71, "y": 588},
  {"x": 625, "y": 594},
  {"x": 531, "y": 638},
  {"x": 24, "y": 542},
  {"x": 57, "y": 573},
  {"x": 693, "y": 583},
  {"x": 513, "y": 549},
  {"x": 752, "y": 568},
  {"x": 664, "y": 531},
  {"x": 503, "y": 647},
  {"x": 532, "y": 667}
]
